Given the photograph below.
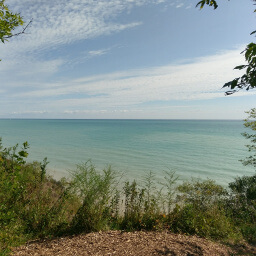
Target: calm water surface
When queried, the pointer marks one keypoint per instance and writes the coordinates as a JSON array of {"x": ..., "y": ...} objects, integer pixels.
[{"x": 192, "y": 148}]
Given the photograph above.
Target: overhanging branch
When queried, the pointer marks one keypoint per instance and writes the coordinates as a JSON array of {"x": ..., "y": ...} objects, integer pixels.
[{"x": 19, "y": 33}]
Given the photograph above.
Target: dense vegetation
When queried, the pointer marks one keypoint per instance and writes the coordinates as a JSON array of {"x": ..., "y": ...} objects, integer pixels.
[{"x": 34, "y": 205}]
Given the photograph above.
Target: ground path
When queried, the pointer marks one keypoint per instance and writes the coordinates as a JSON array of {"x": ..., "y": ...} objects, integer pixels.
[{"x": 126, "y": 243}]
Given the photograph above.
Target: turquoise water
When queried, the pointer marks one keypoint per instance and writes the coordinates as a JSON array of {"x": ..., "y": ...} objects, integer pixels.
[{"x": 192, "y": 148}]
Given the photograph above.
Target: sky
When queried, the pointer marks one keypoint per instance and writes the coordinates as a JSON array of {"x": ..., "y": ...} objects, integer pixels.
[{"x": 126, "y": 59}]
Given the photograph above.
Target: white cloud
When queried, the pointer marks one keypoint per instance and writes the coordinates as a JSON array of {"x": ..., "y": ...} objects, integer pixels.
[
  {"x": 63, "y": 22},
  {"x": 30, "y": 112},
  {"x": 28, "y": 86},
  {"x": 57, "y": 23},
  {"x": 97, "y": 52},
  {"x": 179, "y": 5},
  {"x": 134, "y": 90}
]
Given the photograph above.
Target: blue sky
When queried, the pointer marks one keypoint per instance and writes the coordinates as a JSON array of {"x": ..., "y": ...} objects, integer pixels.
[{"x": 126, "y": 59}]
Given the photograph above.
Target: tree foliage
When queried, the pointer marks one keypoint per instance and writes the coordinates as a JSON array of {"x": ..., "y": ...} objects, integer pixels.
[
  {"x": 208, "y": 2},
  {"x": 9, "y": 21},
  {"x": 250, "y": 122},
  {"x": 248, "y": 80}
]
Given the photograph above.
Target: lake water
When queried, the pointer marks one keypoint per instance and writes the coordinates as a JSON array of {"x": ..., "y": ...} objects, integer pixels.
[{"x": 192, "y": 148}]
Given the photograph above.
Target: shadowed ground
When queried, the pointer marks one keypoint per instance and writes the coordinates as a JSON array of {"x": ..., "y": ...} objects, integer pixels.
[{"x": 127, "y": 243}]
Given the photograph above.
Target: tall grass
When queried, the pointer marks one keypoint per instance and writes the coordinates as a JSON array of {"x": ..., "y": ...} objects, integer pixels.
[{"x": 95, "y": 192}]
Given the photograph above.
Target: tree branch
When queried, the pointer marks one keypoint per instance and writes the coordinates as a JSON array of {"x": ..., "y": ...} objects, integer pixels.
[{"x": 19, "y": 33}]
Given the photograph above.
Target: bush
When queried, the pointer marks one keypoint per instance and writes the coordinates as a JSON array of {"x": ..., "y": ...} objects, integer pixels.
[
  {"x": 32, "y": 204},
  {"x": 245, "y": 188},
  {"x": 144, "y": 207},
  {"x": 95, "y": 191},
  {"x": 201, "y": 211},
  {"x": 241, "y": 205},
  {"x": 202, "y": 194},
  {"x": 211, "y": 223}
]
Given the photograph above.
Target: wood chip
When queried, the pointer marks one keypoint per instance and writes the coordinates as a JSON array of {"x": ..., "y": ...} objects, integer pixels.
[{"x": 124, "y": 243}]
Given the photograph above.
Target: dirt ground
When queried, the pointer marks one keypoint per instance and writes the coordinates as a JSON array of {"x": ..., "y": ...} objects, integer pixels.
[{"x": 128, "y": 243}]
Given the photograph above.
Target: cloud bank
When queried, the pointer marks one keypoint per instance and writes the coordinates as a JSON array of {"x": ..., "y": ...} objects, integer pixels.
[
  {"x": 63, "y": 22},
  {"x": 127, "y": 91},
  {"x": 31, "y": 84}
]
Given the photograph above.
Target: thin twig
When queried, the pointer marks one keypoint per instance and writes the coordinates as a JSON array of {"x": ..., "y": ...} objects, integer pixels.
[{"x": 22, "y": 32}]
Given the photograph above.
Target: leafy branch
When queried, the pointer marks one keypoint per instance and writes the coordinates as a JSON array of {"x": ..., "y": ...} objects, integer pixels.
[
  {"x": 9, "y": 21},
  {"x": 248, "y": 80},
  {"x": 208, "y": 2}
]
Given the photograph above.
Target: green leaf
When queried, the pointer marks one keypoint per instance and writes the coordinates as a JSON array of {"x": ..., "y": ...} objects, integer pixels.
[
  {"x": 23, "y": 153},
  {"x": 8, "y": 22},
  {"x": 240, "y": 67},
  {"x": 208, "y": 2},
  {"x": 226, "y": 85}
]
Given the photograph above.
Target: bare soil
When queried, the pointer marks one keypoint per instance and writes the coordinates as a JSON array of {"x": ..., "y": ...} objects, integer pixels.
[{"x": 127, "y": 243}]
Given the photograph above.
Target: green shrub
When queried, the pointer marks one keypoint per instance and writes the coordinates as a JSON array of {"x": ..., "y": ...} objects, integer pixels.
[
  {"x": 13, "y": 179},
  {"x": 245, "y": 188},
  {"x": 211, "y": 223},
  {"x": 242, "y": 200},
  {"x": 95, "y": 190},
  {"x": 202, "y": 194},
  {"x": 11, "y": 234},
  {"x": 48, "y": 208},
  {"x": 201, "y": 211},
  {"x": 133, "y": 206},
  {"x": 249, "y": 232},
  {"x": 241, "y": 205},
  {"x": 168, "y": 186},
  {"x": 143, "y": 206},
  {"x": 32, "y": 204}
]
